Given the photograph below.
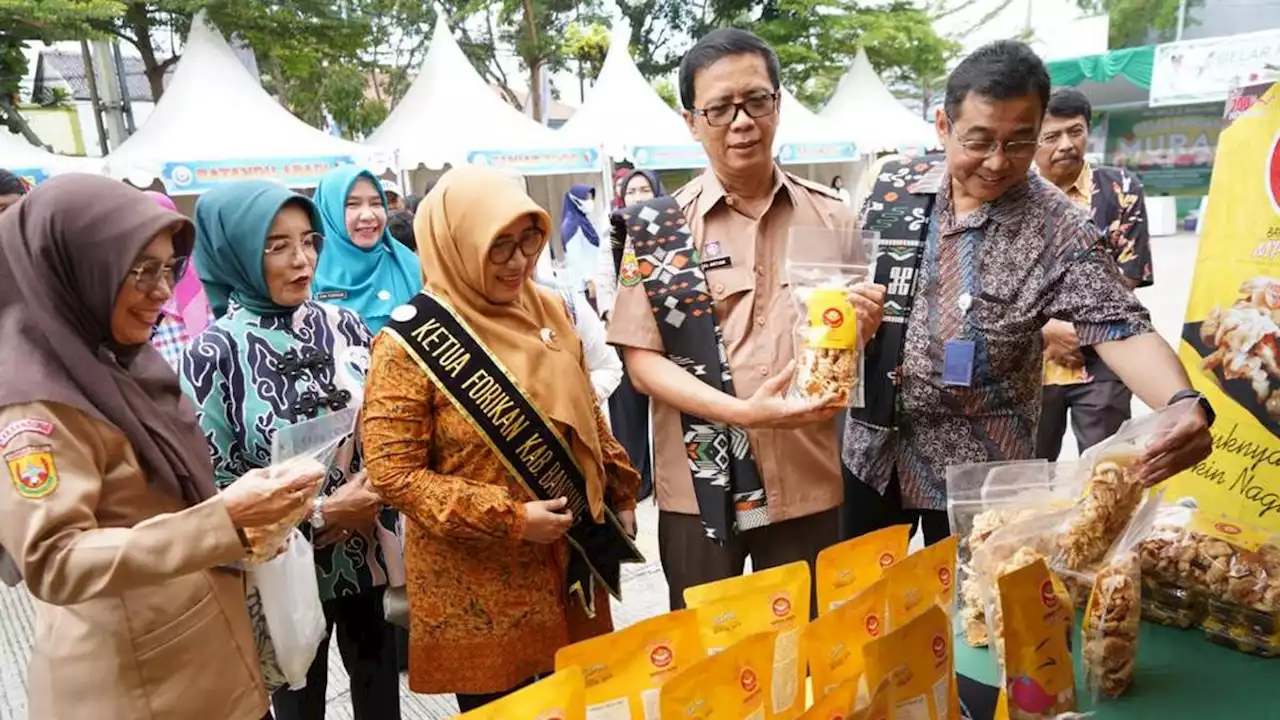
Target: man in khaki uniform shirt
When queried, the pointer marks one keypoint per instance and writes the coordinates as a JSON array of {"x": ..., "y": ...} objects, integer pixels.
[{"x": 740, "y": 213}]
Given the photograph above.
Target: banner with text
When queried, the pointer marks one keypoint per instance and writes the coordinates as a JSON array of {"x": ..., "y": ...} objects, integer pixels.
[
  {"x": 1171, "y": 149},
  {"x": 558, "y": 161},
  {"x": 668, "y": 157},
  {"x": 193, "y": 178},
  {"x": 1196, "y": 71},
  {"x": 1231, "y": 340}
]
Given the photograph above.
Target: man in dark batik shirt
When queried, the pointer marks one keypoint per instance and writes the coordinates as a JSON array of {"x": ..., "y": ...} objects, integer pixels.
[
  {"x": 1075, "y": 378},
  {"x": 1006, "y": 252}
]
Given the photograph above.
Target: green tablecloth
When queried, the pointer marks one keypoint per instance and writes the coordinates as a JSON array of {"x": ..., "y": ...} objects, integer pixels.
[{"x": 1180, "y": 676}]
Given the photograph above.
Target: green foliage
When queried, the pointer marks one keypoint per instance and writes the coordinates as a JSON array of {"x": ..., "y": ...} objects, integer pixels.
[
  {"x": 1140, "y": 22},
  {"x": 667, "y": 91},
  {"x": 587, "y": 44}
]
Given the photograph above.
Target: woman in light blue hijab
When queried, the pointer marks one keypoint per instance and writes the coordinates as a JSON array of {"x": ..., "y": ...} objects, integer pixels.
[
  {"x": 274, "y": 358},
  {"x": 363, "y": 268}
]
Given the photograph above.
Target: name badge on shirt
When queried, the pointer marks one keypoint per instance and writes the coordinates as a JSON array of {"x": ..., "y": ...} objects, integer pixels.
[
  {"x": 332, "y": 295},
  {"x": 713, "y": 257},
  {"x": 957, "y": 363}
]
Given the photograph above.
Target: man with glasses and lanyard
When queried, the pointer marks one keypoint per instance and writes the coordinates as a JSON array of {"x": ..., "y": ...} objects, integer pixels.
[
  {"x": 707, "y": 325},
  {"x": 1002, "y": 252}
]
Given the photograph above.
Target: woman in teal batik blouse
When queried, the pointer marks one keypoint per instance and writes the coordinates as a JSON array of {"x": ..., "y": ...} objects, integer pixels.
[
  {"x": 363, "y": 268},
  {"x": 275, "y": 357}
]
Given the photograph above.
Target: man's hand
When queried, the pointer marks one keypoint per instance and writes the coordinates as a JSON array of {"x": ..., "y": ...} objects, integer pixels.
[
  {"x": 1184, "y": 444},
  {"x": 627, "y": 519},
  {"x": 351, "y": 508},
  {"x": 770, "y": 407},
  {"x": 868, "y": 301},
  {"x": 1062, "y": 345}
]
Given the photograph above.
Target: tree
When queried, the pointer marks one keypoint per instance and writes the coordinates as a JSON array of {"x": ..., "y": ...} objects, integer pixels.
[
  {"x": 667, "y": 91},
  {"x": 661, "y": 31},
  {"x": 23, "y": 21},
  {"x": 1141, "y": 22},
  {"x": 588, "y": 45}
]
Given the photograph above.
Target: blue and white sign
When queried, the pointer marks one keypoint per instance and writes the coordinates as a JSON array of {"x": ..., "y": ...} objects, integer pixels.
[
  {"x": 193, "y": 178},
  {"x": 555, "y": 161},
  {"x": 814, "y": 153},
  {"x": 668, "y": 157}
]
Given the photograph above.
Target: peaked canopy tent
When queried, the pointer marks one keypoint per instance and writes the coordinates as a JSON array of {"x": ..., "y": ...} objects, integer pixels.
[
  {"x": 623, "y": 115},
  {"x": 874, "y": 117},
  {"x": 35, "y": 165},
  {"x": 215, "y": 123},
  {"x": 450, "y": 116},
  {"x": 815, "y": 147}
]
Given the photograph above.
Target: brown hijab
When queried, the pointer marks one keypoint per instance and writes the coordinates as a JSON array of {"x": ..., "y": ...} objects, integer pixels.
[
  {"x": 454, "y": 226},
  {"x": 65, "y": 250}
]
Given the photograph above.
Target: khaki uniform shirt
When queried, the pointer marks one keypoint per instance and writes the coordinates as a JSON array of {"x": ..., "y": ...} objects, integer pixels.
[
  {"x": 131, "y": 621},
  {"x": 757, "y": 317}
]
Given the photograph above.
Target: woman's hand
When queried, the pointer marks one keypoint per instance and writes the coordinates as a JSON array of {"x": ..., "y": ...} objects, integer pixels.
[
  {"x": 352, "y": 507},
  {"x": 546, "y": 521},
  {"x": 627, "y": 519},
  {"x": 263, "y": 497}
]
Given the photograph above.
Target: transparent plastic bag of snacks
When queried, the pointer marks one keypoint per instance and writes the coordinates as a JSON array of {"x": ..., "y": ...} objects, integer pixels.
[
  {"x": 1112, "y": 489},
  {"x": 823, "y": 266},
  {"x": 1114, "y": 610},
  {"x": 304, "y": 447},
  {"x": 1039, "y": 674}
]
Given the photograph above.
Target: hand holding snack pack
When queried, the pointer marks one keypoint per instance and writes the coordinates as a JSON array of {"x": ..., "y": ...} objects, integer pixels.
[
  {"x": 559, "y": 696},
  {"x": 824, "y": 266},
  {"x": 625, "y": 669},
  {"x": 731, "y": 685},
  {"x": 846, "y": 569},
  {"x": 920, "y": 660},
  {"x": 1039, "y": 676},
  {"x": 833, "y": 643},
  {"x": 777, "y": 600}
]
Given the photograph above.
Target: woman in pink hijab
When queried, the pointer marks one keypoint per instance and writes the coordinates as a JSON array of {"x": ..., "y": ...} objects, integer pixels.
[{"x": 187, "y": 313}]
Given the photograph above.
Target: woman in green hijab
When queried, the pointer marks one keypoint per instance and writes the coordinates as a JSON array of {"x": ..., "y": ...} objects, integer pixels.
[{"x": 275, "y": 357}]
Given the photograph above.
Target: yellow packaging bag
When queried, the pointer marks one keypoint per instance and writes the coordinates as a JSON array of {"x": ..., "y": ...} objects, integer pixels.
[
  {"x": 833, "y": 643},
  {"x": 926, "y": 575},
  {"x": 776, "y": 599},
  {"x": 881, "y": 706},
  {"x": 920, "y": 659},
  {"x": 559, "y": 697},
  {"x": 623, "y": 670},
  {"x": 839, "y": 704},
  {"x": 1039, "y": 675},
  {"x": 730, "y": 685},
  {"x": 843, "y": 570}
]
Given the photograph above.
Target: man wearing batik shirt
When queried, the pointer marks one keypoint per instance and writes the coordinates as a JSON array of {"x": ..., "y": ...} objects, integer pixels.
[
  {"x": 1076, "y": 379},
  {"x": 1005, "y": 251}
]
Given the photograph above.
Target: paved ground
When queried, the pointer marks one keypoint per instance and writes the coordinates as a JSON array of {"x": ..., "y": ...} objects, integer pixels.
[{"x": 644, "y": 587}]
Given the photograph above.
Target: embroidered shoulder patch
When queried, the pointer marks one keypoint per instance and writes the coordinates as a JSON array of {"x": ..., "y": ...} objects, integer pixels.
[
  {"x": 24, "y": 426},
  {"x": 629, "y": 270},
  {"x": 32, "y": 471}
]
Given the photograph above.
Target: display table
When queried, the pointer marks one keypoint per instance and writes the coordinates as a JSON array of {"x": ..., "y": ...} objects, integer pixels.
[{"x": 1180, "y": 676}]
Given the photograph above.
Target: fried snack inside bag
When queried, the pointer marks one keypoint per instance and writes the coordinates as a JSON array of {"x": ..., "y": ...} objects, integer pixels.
[
  {"x": 1039, "y": 677},
  {"x": 561, "y": 696},
  {"x": 625, "y": 669},
  {"x": 834, "y": 642},
  {"x": 924, "y": 577},
  {"x": 731, "y": 685},
  {"x": 846, "y": 569},
  {"x": 776, "y": 600},
  {"x": 920, "y": 660}
]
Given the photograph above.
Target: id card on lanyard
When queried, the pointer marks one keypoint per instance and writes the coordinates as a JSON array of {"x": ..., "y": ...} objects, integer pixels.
[{"x": 959, "y": 354}]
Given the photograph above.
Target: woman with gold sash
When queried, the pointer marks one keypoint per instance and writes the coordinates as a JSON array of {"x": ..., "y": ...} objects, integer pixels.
[{"x": 491, "y": 574}]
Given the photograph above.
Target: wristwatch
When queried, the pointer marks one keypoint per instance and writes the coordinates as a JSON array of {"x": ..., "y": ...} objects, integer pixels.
[
  {"x": 1209, "y": 414},
  {"x": 317, "y": 513}
]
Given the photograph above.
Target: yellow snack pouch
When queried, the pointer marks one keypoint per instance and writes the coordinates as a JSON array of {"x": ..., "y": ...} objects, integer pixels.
[
  {"x": 843, "y": 570},
  {"x": 623, "y": 670},
  {"x": 559, "y": 697},
  {"x": 730, "y": 685},
  {"x": 839, "y": 704},
  {"x": 881, "y": 706},
  {"x": 926, "y": 575},
  {"x": 833, "y": 643},
  {"x": 776, "y": 599},
  {"x": 1039, "y": 675},
  {"x": 920, "y": 659}
]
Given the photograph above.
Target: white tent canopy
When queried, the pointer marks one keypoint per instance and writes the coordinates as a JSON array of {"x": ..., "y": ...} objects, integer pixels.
[
  {"x": 624, "y": 114},
  {"x": 451, "y": 116},
  {"x": 215, "y": 122},
  {"x": 873, "y": 116},
  {"x": 35, "y": 164},
  {"x": 804, "y": 137}
]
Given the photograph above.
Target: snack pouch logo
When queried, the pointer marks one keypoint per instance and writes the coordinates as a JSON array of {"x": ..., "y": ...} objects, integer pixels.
[{"x": 830, "y": 327}]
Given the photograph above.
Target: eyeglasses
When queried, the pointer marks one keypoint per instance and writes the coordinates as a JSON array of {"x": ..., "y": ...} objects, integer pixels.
[
  {"x": 148, "y": 273},
  {"x": 309, "y": 245},
  {"x": 1075, "y": 132},
  {"x": 530, "y": 244},
  {"x": 983, "y": 149},
  {"x": 756, "y": 106}
]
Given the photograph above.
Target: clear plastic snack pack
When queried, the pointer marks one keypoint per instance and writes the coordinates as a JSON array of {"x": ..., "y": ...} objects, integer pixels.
[{"x": 823, "y": 267}]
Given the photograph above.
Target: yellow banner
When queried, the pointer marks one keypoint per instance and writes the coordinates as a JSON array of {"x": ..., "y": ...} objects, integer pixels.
[{"x": 1231, "y": 340}]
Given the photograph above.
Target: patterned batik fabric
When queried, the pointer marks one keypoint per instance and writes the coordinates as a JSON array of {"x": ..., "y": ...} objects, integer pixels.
[
  {"x": 245, "y": 379},
  {"x": 726, "y": 480},
  {"x": 993, "y": 277}
]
